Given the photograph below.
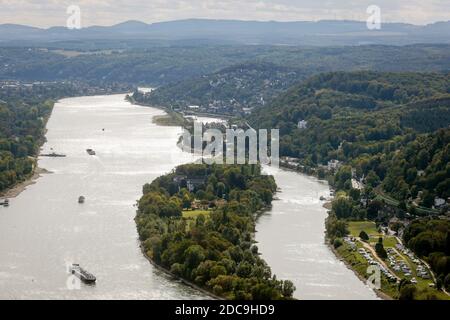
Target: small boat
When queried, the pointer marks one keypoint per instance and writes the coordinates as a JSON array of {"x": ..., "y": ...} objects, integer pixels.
[
  {"x": 5, "y": 203},
  {"x": 81, "y": 199},
  {"x": 82, "y": 274},
  {"x": 90, "y": 152}
]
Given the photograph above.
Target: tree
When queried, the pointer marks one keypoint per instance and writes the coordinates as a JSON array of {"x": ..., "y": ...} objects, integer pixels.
[
  {"x": 354, "y": 194},
  {"x": 372, "y": 179},
  {"x": 407, "y": 292},
  {"x": 335, "y": 227},
  {"x": 217, "y": 270},
  {"x": 427, "y": 199},
  {"x": 244, "y": 269},
  {"x": 288, "y": 289},
  {"x": 186, "y": 201},
  {"x": 170, "y": 209},
  {"x": 373, "y": 208},
  {"x": 439, "y": 282},
  {"x": 337, "y": 243},
  {"x": 177, "y": 269},
  {"x": 343, "y": 176},
  {"x": 447, "y": 282},
  {"x": 379, "y": 249},
  {"x": 342, "y": 207},
  {"x": 221, "y": 189},
  {"x": 194, "y": 255},
  {"x": 364, "y": 236}
]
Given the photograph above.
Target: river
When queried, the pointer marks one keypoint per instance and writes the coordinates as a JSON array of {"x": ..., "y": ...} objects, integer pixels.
[
  {"x": 291, "y": 240},
  {"x": 45, "y": 229}
]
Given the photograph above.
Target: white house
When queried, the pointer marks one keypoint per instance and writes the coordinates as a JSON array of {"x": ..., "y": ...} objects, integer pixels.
[
  {"x": 439, "y": 202},
  {"x": 334, "y": 164},
  {"x": 302, "y": 124}
]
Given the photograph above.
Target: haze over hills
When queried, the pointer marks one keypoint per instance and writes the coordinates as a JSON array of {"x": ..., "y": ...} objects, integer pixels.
[{"x": 322, "y": 33}]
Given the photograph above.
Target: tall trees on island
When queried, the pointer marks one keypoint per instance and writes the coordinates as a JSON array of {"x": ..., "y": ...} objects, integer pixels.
[{"x": 213, "y": 246}]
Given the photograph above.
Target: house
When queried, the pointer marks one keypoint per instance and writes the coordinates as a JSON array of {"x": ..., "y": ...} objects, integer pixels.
[
  {"x": 178, "y": 179},
  {"x": 302, "y": 124},
  {"x": 220, "y": 203},
  {"x": 199, "y": 205},
  {"x": 194, "y": 183},
  {"x": 357, "y": 184},
  {"x": 334, "y": 165},
  {"x": 247, "y": 110},
  {"x": 439, "y": 202}
]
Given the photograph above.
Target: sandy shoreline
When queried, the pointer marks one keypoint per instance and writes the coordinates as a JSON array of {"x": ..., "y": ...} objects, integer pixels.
[{"x": 17, "y": 189}]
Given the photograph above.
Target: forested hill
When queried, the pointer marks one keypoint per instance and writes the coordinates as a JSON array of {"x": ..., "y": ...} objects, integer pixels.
[
  {"x": 159, "y": 66},
  {"x": 372, "y": 121},
  {"x": 154, "y": 66},
  {"x": 255, "y": 82},
  {"x": 229, "y": 90},
  {"x": 357, "y": 107}
]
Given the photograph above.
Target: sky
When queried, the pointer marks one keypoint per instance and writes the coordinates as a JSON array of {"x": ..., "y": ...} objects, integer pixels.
[{"x": 46, "y": 13}]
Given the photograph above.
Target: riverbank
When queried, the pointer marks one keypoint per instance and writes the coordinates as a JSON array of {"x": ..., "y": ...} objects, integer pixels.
[
  {"x": 18, "y": 188},
  {"x": 171, "y": 119},
  {"x": 380, "y": 294},
  {"x": 174, "y": 118},
  {"x": 178, "y": 278}
]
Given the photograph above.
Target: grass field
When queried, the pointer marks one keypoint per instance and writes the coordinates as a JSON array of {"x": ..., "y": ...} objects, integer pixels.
[
  {"x": 355, "y": 227},
  {"x": 388, "y": 242},
  {"x": 193, "y": 214}
]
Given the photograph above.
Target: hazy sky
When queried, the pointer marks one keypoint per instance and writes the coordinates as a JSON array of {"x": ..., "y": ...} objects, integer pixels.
[{"x": 45, "y": 13}]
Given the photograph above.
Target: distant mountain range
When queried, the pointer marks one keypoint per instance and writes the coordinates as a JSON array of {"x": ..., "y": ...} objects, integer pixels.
[{"x": 240, "y": 32}]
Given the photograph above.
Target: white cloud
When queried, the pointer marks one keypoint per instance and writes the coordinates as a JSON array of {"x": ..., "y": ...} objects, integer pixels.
[{"x": 46, "y": 13}]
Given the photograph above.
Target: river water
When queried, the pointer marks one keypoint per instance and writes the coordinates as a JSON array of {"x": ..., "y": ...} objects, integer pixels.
[
  {"x": 291, "y": 240},
  {"x": 45, "y": 229}
]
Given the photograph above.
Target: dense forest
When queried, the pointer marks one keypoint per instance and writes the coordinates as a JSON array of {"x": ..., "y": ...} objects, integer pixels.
[
  {"x": 377, "y": 122},
  {"x": 199, "y": 223},
  {"x": 24, "y": 110},
  {"x": 431, "y": 239}
]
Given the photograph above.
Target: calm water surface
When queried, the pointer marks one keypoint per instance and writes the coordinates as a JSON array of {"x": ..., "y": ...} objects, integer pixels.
[
  {"x": 291, "y": 240},
  {"x": 45, "y": 228}
]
